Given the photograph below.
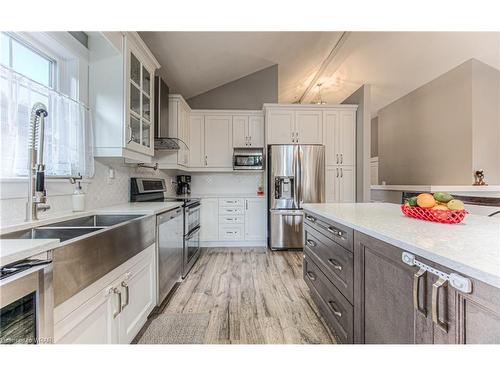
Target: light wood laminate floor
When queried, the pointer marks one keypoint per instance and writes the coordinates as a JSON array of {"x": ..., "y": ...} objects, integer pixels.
[{"x": 253, "y": 296}]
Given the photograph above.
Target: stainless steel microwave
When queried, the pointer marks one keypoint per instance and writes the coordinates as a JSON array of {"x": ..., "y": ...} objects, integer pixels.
[{"x": 248, "y": 159}]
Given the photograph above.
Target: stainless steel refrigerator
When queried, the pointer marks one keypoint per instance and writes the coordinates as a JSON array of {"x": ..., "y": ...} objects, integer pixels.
[{"x": 296, "y": 175}]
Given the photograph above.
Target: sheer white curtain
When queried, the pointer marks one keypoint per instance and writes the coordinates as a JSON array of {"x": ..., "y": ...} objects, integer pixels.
[{"x": 69, "y": 147}]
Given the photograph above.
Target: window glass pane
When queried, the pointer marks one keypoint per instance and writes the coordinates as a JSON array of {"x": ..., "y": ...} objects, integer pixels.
[
  {"x": 31, "y": 64},
  {"x": 146, "y": 80},
  {"x": 135, "y": 99},
  {"x": 135, "y": 127},
  {"x": 4, "y": 42},
  {"x": 145, "y": 107},
  {"x": 135, "y": 69},
  {"x": 146, "y": 132}
]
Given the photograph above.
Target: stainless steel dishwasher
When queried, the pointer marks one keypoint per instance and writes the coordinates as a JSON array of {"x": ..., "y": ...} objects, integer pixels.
[{"x": 169, "y": 240}]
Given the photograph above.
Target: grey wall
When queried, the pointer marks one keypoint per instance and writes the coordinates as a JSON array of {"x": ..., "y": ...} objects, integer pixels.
[
  {"x": 361, "y": 97},
  {"x": 374, "y": 138},
  {"x": 248, "y": 92},
  {"x": 426, "y": 137}
]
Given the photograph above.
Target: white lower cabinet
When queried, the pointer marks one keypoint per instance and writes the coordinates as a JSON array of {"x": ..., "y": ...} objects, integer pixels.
[
  {"x": 209, "y": 219},
  {"x": 340, "y": 184},
  {"x": 119, "y": 309},
  {"x": 255, "y": 219},
  {"x": 231, "y": 221}
]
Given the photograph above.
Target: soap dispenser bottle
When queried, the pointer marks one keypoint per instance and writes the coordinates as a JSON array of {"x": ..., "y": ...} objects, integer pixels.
[{"x": 78, "y": 198}]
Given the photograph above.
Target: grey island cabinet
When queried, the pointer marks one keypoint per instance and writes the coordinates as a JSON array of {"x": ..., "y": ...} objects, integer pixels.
[{"x": 371, "y": 291}]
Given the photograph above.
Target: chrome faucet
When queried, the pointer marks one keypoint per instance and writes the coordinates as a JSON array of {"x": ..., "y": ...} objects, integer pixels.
[{"x": 37, "y": 197}]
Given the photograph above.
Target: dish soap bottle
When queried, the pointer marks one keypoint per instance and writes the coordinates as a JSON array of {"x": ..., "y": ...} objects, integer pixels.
[{"x": 78, "y": 198}]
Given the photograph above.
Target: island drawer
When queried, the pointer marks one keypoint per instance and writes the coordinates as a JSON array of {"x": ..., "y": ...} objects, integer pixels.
[
  {"x": 334, "y": 307},
  {"x": 231, "y": 211},
  {"x": 337, "y": 232},
  {"x": 231, "y": 232},
  {"x": 336, "y": 262},
  {"x": 231, "y": 219}
]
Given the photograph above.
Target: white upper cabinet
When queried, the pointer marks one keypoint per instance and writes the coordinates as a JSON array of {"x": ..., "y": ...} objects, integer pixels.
[
  {"x": 248, "y": 131},
  {"x": 218, "y": 141},
  {"x": 197, "y": 141},
  {"x": 308, "y": 127},
  {"x": 240, "y": 131},
  {"x": 280, "y": 125},
  {"x": 121, "y": 75},
  {"x": 340, "y": 137},
  {"x": 289, "y": 125}
]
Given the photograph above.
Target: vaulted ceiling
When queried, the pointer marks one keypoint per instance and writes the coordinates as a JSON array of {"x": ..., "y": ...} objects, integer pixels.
[{"x": 393, "y": 63}]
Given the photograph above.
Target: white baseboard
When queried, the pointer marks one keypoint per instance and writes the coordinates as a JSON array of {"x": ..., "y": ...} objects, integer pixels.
[{"x": 233, "y": 243}]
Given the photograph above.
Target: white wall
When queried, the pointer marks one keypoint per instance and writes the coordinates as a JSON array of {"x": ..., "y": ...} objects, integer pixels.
[{"x": 100, "y": 191}]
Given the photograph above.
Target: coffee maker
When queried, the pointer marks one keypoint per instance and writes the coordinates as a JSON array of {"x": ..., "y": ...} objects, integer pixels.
[{"x": 183, "y": 187}]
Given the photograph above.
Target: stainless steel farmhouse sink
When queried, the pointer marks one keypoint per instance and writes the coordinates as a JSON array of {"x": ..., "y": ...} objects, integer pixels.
[
  {"x": 91, "y": 247},
  {"x": 63, "y": 234},
  {"x": 95, "y": 221}
]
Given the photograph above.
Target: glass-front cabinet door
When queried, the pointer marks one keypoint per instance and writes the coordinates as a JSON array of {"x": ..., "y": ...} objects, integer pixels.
[{"x": 140, "y": 101}]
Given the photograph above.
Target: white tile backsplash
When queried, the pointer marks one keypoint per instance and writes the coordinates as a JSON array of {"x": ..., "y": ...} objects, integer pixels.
[
  {"x": 100, "y": 191},
  {"x": 226, "y": 183}
]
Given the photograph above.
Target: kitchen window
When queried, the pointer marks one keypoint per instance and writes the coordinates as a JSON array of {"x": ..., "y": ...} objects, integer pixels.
[{"x": 28, "y": 76}]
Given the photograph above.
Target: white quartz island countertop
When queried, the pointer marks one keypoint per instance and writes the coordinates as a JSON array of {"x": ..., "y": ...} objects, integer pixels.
[
  {"x": 471, "y": 247},
  {"x": 13, "y": 250}
]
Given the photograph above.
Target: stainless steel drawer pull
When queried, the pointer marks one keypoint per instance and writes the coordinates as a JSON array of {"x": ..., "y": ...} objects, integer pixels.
[
  {"x": 311, "y": 243},
  {"x": 416, "y": 291},
  {"x": 335, "y": 231},
  {"x": 335, "y": 309},
  {"x": 335, "y": 264},
  {"x": 341, "y": 159},
  {"x": 127, "y": 296},
  {"x": 117, "y": 291},
  {"x": 441, "y": 283},
  {"x": 311, "y": 275},
  {"x": 311, "y": 218}
]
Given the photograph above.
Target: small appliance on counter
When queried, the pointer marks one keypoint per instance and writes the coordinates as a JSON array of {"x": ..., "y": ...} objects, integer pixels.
[{"x": 183, "y": 185}]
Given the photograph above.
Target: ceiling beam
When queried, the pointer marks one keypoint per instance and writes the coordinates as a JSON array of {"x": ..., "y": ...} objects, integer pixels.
[{"x": 324, "y": 65}]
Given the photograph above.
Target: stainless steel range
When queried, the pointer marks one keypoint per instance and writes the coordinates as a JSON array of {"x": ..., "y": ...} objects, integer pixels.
[{"x": 153, "y": 190}]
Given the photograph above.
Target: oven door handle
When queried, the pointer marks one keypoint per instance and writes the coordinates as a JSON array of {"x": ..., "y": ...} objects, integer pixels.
[
  {"x": 193, "y": 232},
  {"x": 193, "y": 207}
]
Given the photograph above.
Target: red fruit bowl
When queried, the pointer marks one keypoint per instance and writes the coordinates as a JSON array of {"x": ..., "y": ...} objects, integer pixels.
[{"x": 438, "y": 216}]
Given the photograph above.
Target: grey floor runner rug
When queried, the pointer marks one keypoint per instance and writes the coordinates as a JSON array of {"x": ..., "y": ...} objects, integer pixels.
[{"x": 176, "y": 329}]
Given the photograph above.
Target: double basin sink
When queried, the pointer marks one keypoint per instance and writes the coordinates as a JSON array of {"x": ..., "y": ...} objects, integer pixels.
[{"x": 90, "y": 247}]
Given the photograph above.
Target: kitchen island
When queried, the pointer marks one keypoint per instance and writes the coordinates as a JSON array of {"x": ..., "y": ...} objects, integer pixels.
[{"x": 380, "y": 277}]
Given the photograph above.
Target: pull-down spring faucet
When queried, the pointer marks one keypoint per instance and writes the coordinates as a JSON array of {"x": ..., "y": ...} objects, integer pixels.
[{"x": 37, "y": 197}]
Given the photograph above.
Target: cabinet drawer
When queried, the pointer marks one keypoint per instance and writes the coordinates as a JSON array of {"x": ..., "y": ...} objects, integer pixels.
[
  {"x": 337, "y": 232},
  {"x": 334, "y": 307},
  {"x": 231, "y": 232},
  {"x": 231, "y": 202},
  {"x": 232, "y": 211},
  {"x": 231, "y": 219},
  {"x": 335, "y": 261}
]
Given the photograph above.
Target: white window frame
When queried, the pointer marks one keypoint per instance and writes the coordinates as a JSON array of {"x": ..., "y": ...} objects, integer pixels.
[{"x": 70, "y": 78}]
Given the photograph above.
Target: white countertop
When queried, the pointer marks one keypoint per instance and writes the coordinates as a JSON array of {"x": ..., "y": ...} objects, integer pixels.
[
  {"x": 485, "y": 191},
  {"x": 14, "y": 250},
  {"x": 471, "y": 247}
]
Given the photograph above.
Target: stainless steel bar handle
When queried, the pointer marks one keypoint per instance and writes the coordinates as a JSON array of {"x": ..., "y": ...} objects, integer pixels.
[
  {"x": 119, "y": 293},
  {"x": 436, "y": 287},
  {"x": 311, "y": 218},
  {"x": 337, "y": 172},
  {"x": 337, "y": 156},
  {"x": 334, "y": 308},
  {"x": 341, "y": 159},
  {"x": 341, "y": 173},
  {"x": 127, "y": 298},
  {"x": 335, "y": 231},
  {"x": 311, "y": 243},
  {"x": 206, "y": 160},
  {"x": 335, "y": 264},
  {"x": 246, "y": 204},
  {"x": 416, "y": 291},
  {"x": 311, "y": 275}
]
